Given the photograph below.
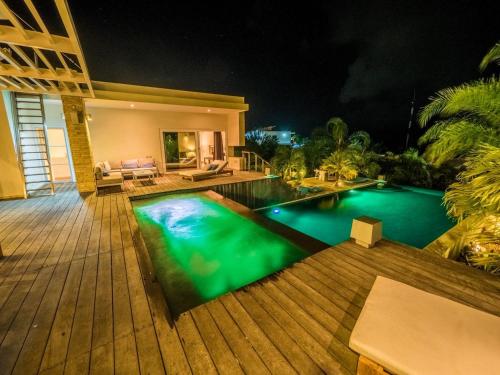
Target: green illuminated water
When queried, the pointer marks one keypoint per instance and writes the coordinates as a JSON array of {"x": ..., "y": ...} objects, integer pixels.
[
  {"x": 201, "y": 249},
  {"x": 410, "y": 215}
]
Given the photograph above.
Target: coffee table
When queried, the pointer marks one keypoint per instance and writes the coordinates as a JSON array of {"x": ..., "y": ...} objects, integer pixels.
[{"x": 144, "y": 173}]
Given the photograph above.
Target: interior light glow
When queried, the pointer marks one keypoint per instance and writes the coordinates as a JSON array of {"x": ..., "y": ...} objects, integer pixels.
[{"x": 132, "y": 105}]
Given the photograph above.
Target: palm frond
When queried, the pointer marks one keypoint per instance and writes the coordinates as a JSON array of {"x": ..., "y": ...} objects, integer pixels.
[
  {"x": 493, "y": 55},
  {"x": 433, "y": 133},
  {"x": 477, "y": 191},
  {"x": 480, "y": 98},
  {"x": 455, "y": 138},
  {"x": 360, "y": 138}
]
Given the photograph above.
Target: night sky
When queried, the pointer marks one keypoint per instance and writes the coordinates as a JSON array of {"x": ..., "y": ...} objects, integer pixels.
[{"x": 296, "y": 65}]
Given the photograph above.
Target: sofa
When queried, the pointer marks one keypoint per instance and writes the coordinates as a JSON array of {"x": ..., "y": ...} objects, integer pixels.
[
  {"x": 126, "y": 167},
  {"x": 105, "y": 178},
  {"x": 141, "y": 164}
]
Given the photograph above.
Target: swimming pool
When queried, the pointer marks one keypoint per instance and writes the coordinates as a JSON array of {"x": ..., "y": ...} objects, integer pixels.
[
  {"x": 201, "y": 249},
  {"x": 410, "y": 215}
]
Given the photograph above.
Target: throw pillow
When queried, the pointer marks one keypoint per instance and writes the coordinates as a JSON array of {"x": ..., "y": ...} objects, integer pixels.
[
  {"x": 107, "y": 166},
  {"x": 147, "y": 163},
  {"x": 130, "y": 164},
  {"x": 212, "y": 167}
]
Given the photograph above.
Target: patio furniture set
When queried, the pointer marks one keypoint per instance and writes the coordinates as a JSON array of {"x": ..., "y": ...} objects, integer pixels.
[{"x": 107, "y": 174}]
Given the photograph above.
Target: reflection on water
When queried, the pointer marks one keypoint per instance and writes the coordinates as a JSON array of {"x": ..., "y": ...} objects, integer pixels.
[{"x": 259, "y": 193}]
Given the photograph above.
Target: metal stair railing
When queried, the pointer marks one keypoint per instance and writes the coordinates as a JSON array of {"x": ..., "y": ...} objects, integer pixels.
[
  {"x": 254, "y": 162},
  {"x": 32, "y": 144}
]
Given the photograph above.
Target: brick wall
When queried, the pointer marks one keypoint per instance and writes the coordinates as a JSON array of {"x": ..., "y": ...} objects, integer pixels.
[{"x": 79, "y": 141}]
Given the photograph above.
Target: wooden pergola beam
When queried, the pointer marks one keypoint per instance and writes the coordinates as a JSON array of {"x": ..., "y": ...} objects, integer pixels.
[
  {"x": 23, "y": 56},
  {"x": 42, "y": 57},
  {"x": 38, "y": 19},
  {"x": 10, "y": 60},
  {"x": 36, "y": 39},
  {"x": 62, "y": 8},
  {"x": 39, "y": 84},
  {"x": 11, "y": 82},
  {"x": 25, "y": 83},
  {"x": 52, "y": 91},
  {"x": 63, "y": 63},
  {"x": 5, "y": 10},
  {"x": 20, "y": 72},
  {"x": 41, "y": 73}
]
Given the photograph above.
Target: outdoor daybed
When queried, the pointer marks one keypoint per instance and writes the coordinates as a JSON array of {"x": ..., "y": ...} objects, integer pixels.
[
  {"x": 405, "y": 330},
  {"x": 216, "y": 168}
]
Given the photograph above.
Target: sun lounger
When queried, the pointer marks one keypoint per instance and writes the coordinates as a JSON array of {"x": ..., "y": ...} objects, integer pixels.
[
  {"x": 199, "y": 174},
  {"x": 408, "y": 331}
]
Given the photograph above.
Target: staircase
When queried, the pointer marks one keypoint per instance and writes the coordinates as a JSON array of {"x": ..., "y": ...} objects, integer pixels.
[
  {"x": 32, "y": 144},
  {"x": 254, "y": 162}
]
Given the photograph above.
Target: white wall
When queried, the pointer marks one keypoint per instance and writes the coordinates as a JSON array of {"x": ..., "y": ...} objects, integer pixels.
[
  {"x": 11, "y": 181},
  {"x": 54, "y": 120},
  {"x": 117, "y": 134}
]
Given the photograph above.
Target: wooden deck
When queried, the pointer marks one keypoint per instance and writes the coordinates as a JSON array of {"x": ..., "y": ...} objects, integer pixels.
[{"x": 77, "y": 295}]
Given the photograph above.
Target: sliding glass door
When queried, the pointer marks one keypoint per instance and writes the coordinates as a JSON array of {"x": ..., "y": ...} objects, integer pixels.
[
  {"x": 192, "y": 149},
  {"x": 180, "y": 150}
]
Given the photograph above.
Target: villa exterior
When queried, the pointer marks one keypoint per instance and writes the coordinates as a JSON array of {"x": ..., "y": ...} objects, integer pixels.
[{"x": 84, "y": 122}]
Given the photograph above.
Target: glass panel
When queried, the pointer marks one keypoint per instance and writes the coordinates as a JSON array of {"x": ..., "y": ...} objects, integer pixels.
[
  {"x": 180, "y": 149},
  {"x": 58, "y": 154}
]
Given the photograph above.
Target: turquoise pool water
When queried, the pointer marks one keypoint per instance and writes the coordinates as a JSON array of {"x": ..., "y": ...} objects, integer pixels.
[
  {"x": 201, "y": 249},
  {"x": 413, "y": 216}
]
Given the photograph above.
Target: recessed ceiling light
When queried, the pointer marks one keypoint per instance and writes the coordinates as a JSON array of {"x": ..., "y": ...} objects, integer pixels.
[
  {"x": 132, "y": 105},
  {"x": 209, "y": 110}
]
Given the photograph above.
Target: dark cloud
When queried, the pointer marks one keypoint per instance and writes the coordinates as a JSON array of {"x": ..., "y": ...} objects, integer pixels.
[{"x": 403, "y": 44}]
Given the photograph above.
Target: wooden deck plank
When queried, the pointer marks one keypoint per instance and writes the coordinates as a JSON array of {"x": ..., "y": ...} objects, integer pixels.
[
  {"x": 221, "y": 354},
  {"x": 14, "y": 272},
  {"x": 29, "y": 359},
  {"x": 242, "y": 349},
  {"x": 278, "y": 336},
  {"x": 196, "y": 352},
  {"x": 302, "y": 337},
  {"x": 270, "y": 354},
  {"x": 79, "y": 296}
]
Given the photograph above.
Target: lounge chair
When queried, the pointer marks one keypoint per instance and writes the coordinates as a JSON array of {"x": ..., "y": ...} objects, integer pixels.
[
  {"x": 198, "y": 174},
  {"x": 183, "y": 163}
]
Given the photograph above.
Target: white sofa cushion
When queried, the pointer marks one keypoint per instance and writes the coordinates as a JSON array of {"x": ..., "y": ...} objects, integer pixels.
[{"x": 409, "y": 331}]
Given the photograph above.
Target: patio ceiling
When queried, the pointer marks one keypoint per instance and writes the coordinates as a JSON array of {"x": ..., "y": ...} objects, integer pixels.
[{"x": 35, "y": 60}]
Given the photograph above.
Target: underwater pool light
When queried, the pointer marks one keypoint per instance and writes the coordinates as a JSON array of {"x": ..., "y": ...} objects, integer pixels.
[{"x": 276, "y": 211}]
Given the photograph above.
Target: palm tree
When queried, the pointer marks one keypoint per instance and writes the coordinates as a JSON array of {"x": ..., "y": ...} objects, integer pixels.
[
  {"x": 341, "y": 164},
  {"x": 339, "y": 130},
  {"x": 289, "y": 163},
  {"x": 471, "y": 130},
  {"x": 470, "y": 115},
  {"x": 476, "y": 198},
  {"x": 360, "y": 139}
]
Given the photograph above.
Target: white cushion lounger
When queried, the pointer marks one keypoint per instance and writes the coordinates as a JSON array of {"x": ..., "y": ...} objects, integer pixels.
[
  {"x": 198, "y": 174},
  {"x": 409, "y": 331}
]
